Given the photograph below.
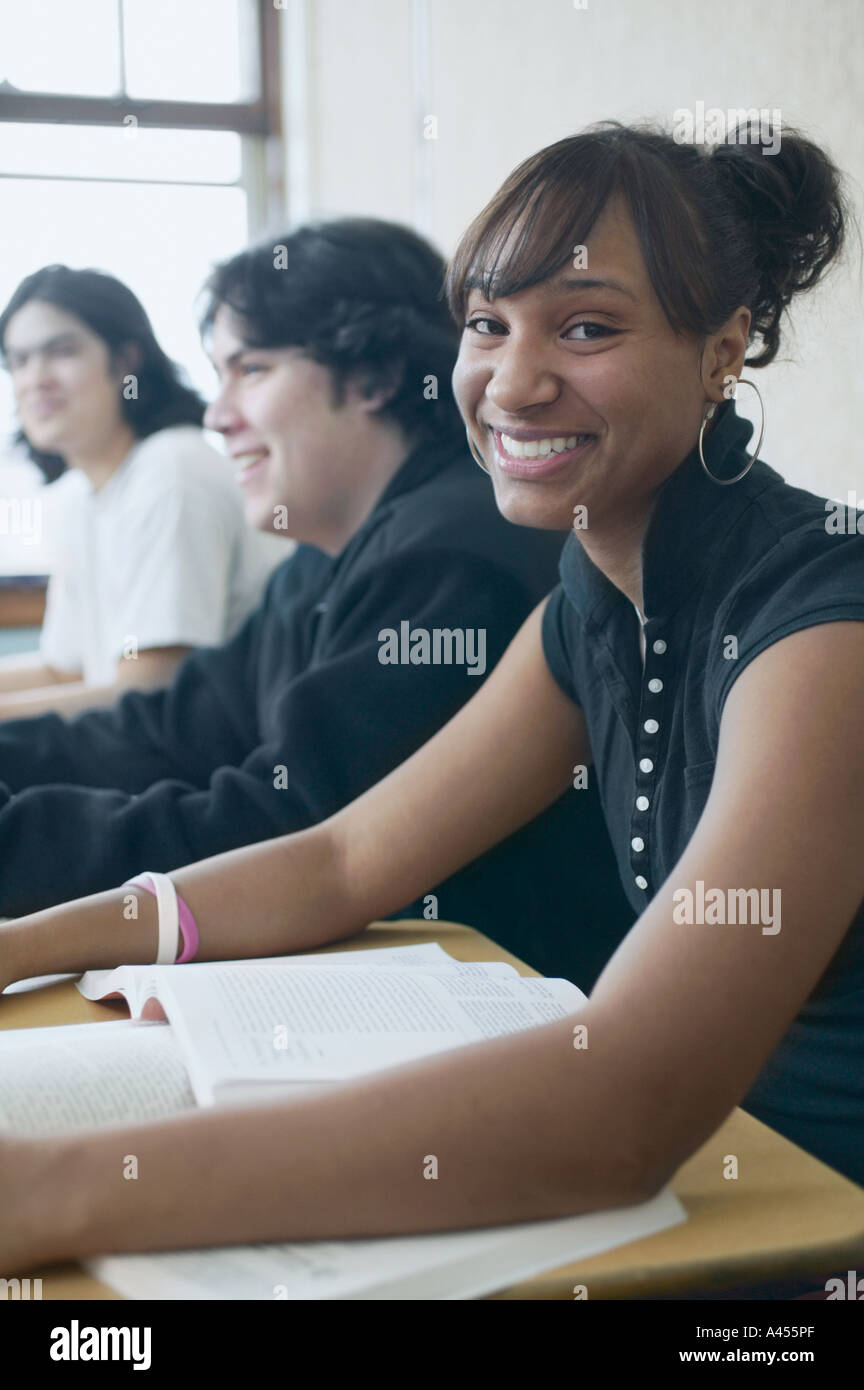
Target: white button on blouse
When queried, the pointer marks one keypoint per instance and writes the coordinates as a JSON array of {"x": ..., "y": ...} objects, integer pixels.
[
  {"x": 642, "y": 803},
  {"x": 638, "y": 843},
  {"x": 655, "y": 686},
  {"x": 659, "y": 646},
  {"x": 650, "y": 726},
  {"x": 641, "y": 882},
  {"x": 646, "y": 765}
]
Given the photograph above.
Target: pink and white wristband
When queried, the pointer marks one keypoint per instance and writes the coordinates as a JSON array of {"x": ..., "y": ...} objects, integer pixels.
[{"x": 174, "y": 918}]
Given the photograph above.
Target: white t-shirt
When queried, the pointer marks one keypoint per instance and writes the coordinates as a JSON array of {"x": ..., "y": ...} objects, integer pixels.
[{"x": 160, "y": 556}]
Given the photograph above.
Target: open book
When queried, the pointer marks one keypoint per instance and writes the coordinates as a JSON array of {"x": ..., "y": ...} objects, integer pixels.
[{"x": 239, "y": 1032}]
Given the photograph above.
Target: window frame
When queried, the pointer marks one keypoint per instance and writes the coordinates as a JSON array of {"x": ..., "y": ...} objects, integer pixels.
[{"x": 258, "y": 122}]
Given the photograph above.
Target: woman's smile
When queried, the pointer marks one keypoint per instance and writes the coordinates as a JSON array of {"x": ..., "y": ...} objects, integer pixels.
[{"x": 538, "y": 457}]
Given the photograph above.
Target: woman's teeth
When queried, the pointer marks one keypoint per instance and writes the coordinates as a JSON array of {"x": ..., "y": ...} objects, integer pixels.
[
  {"x": 245, "y": 461},
  {"x": 541, "y": 448}
]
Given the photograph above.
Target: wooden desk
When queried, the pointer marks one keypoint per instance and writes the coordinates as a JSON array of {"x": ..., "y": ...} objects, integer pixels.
[
  {"x": 22, "y": 605},
  {"x": 786, "y": 1214}
]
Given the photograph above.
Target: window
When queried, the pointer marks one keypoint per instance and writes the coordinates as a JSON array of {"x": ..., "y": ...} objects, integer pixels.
[{"x": 140, "y": 137}]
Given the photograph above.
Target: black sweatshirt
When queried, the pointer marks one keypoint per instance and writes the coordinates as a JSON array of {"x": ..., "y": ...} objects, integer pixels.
[{"x": 294, "y": 717}]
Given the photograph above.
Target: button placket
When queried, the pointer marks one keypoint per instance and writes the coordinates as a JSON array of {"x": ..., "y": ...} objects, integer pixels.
[{"x": 650, "y": 725}]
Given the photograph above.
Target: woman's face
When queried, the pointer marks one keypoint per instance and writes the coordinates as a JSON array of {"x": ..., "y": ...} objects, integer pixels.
[
  {"x": 585, "y": 372},
  {"x": 67, "y": 396}
]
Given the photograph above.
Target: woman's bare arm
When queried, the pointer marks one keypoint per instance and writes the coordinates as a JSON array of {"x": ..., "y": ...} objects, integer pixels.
[
  {"x": 679, "y": 1026},
  {"x": 700, "y": 1008},
  {"x": 498, "y": 763}
]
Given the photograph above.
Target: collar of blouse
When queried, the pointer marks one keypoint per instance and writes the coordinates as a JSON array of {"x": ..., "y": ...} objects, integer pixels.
[{"x": 691, "y": 517}]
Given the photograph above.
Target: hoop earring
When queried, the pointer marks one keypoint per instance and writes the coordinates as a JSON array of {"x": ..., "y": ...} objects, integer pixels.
[
  {"x": 476, "y": 456},
  {"x": 726, "y": 482}
]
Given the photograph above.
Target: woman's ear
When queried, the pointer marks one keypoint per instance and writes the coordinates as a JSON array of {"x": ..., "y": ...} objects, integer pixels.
[{"x": 724, "y": 353}]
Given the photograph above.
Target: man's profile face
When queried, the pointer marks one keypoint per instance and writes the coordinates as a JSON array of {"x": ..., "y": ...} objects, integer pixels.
[{"x": 295, "y": 444}]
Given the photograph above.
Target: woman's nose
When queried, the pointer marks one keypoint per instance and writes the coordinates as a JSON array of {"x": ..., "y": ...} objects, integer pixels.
[{"x": 522, "y": 377}]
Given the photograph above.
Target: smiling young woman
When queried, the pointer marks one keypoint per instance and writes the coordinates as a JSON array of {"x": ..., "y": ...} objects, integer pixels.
[{"x": 736, "y": 773}]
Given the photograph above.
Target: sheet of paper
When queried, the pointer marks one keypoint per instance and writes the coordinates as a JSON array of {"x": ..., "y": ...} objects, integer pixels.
[
  {"x": 57, "y": 1079},
  {"x": 264, "y": 1024},
  {"x": 424, "y": 953},
  {"x": 140, "y": 980},
  {"x": 454, "y": 1265},
  {"x": 35, "y": 982}
]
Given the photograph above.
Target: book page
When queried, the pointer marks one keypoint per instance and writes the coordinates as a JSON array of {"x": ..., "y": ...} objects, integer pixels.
[
  {"x": 266, "y": 1024},
  {"x": 424, "y": 953},
  {"x": 35, "y": 982},
  {"x": 452, "y": 1265},
  {"x": 139, "y": 982},
  {"x": 67, "y": 1077},
  {"x": 134, "y": 983}
]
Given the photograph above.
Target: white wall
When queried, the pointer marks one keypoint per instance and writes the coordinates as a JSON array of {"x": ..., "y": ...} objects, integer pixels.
[{"x": 504, "y": 77}]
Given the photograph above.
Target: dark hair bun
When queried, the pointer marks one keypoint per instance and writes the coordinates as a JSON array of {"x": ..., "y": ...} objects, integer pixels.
[{"x": 789, "y": 194}]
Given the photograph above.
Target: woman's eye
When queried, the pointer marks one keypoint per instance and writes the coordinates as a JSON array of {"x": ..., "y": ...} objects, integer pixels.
[
  {"x": 586, "y": 331},
  {"x": 247, "y": 367},
  {"x": 492, "y": 330},
  {"x": 592, "y": 333}
]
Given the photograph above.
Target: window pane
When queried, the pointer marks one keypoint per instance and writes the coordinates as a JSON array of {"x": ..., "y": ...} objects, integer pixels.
[
  {"x": 58, "y": 46},
  {"x": 160, "y": 240},
  {"x": 199, "y": 50},
  {"x": 127, "y": 152}
]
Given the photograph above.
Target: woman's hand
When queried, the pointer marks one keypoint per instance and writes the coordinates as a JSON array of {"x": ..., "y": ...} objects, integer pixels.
[{"x": 95, "y": 933}]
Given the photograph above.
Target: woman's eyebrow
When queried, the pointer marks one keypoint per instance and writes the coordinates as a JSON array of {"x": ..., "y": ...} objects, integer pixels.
[{"x": 587, "y": 282}]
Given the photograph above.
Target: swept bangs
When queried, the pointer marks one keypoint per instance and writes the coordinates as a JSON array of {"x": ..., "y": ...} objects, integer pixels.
[{"x": 549, "y": 204}]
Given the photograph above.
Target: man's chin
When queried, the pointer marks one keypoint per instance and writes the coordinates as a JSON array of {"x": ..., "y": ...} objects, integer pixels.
[{"x": 260, "y": 516}]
